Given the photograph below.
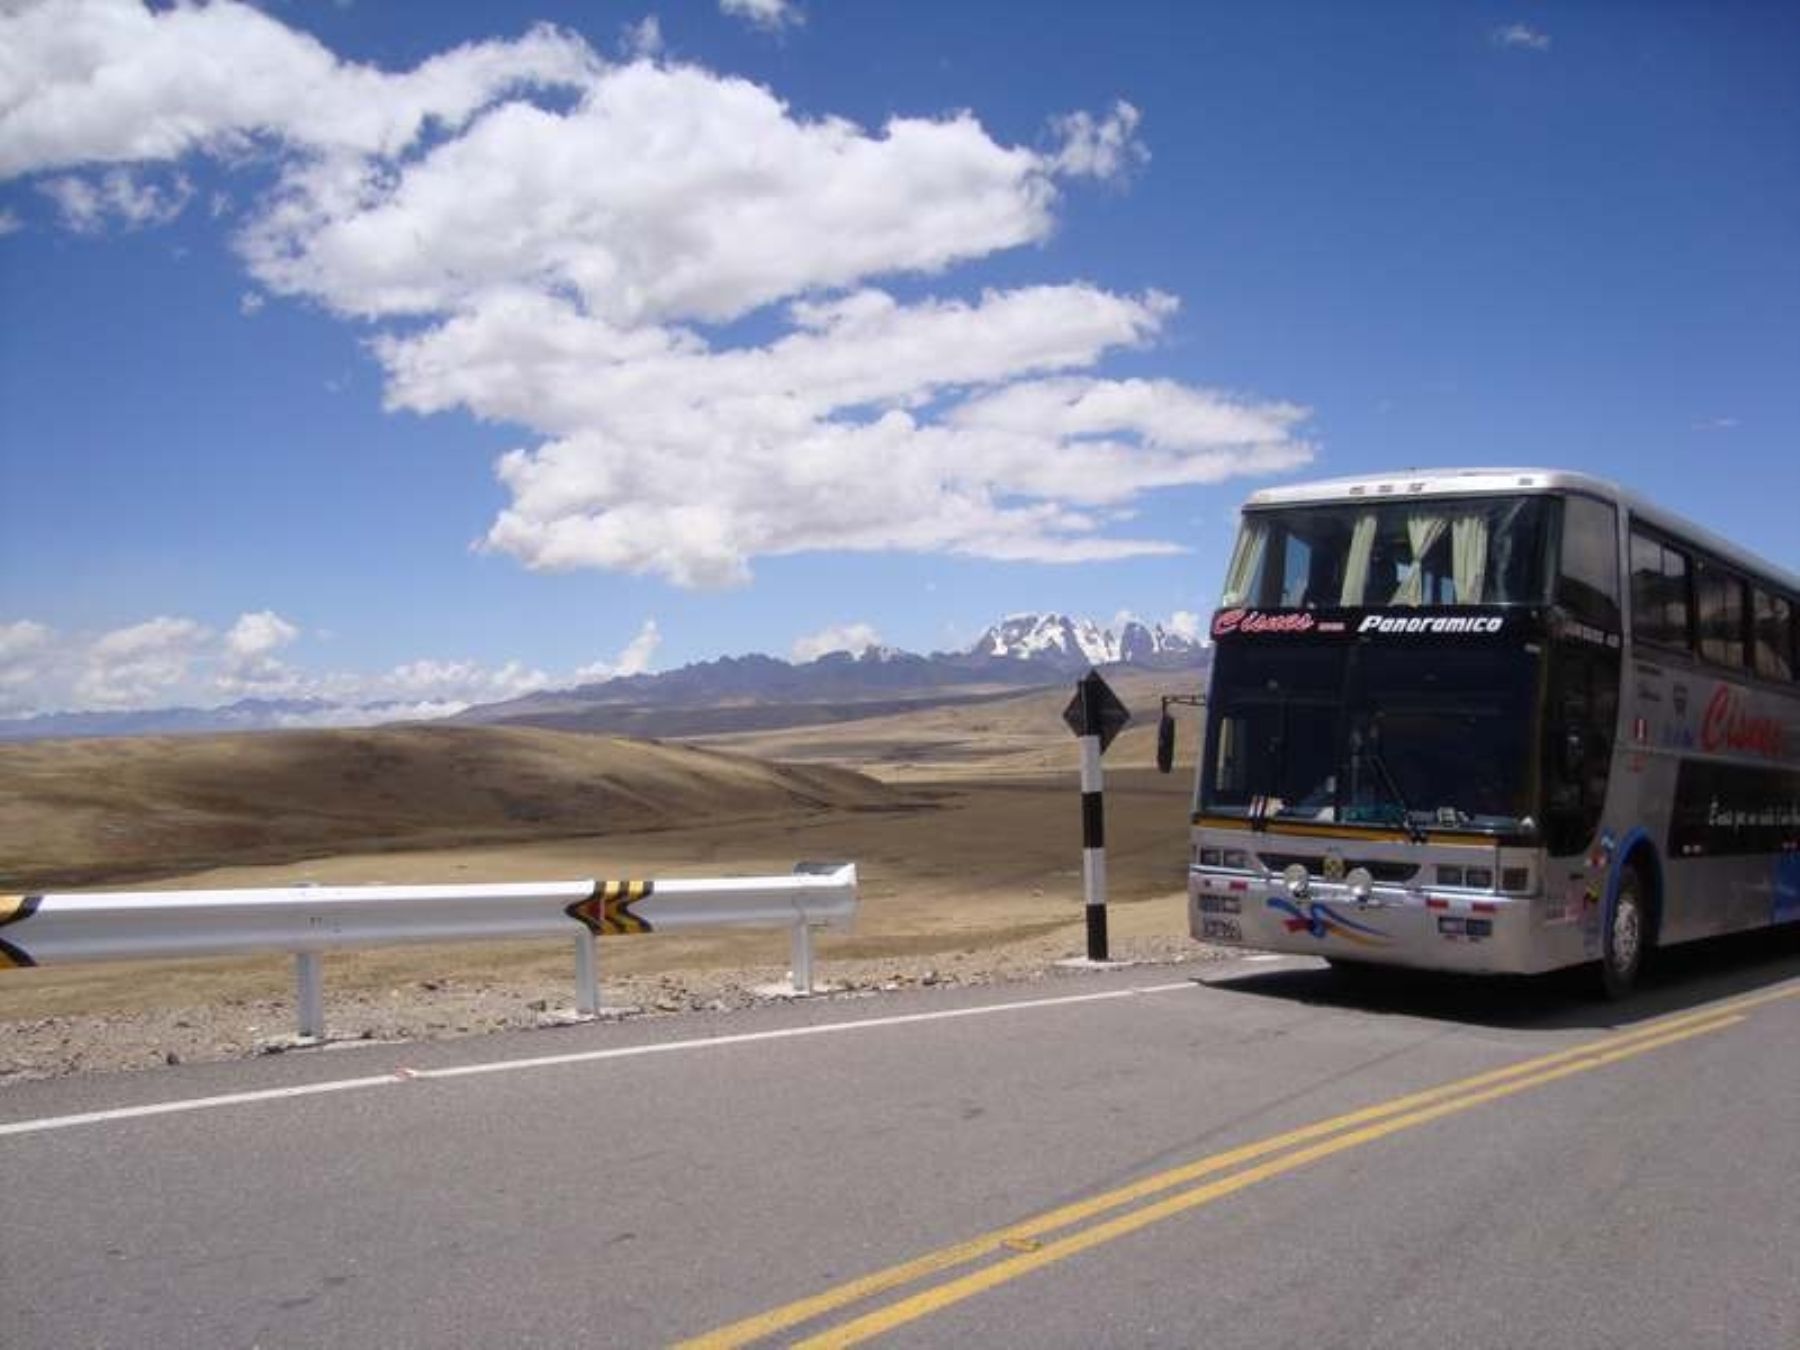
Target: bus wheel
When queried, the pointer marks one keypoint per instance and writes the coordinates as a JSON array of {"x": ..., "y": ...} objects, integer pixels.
[{"x": 1627, "y": 937}]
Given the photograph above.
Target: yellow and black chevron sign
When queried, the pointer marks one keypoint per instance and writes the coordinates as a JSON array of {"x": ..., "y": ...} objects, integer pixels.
[
  {"x": 608, "y": 910},
  {"x": 14, "y": 908}
]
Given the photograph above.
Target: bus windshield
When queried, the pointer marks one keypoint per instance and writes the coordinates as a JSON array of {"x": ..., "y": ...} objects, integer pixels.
[
  {"x": 1373, "y": 736},
  {"x": 1390, "y": 552}
]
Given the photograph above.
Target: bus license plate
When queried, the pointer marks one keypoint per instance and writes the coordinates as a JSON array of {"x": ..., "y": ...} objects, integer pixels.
[{"x": 1221, "y": 930}]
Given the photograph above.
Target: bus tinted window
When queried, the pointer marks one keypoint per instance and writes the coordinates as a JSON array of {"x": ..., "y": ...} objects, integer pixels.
[
  {"x": 1417, "y": 552},
  {"x": 1774, "y": 636},
  {"x": 1589, "y": 580},
  {"x": 1659, "y": 592},
  {"x": 1720, "y": 596}
]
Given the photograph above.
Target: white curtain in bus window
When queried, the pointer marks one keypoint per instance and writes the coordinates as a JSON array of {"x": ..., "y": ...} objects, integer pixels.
[
  {"x": 1440, "y": 572},
  {"x": 1423, "y": 531},
  {"x": 1774, "y": 630},
  {"x": 1356, "y": 566},
  {"x": 1468, "y": 557}
]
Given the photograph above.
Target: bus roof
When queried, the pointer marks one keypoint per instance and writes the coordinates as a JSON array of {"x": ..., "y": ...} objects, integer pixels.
[{"x": 1507, "y": 482}]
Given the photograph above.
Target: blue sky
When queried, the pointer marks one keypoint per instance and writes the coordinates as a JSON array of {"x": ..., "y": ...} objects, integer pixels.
[{"x": 435, "y": 352}]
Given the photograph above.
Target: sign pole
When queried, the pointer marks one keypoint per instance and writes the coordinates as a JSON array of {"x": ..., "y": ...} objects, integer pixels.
[
  {"x": 1093, "y": 847},
  {"x": 1095, "y": 715}
]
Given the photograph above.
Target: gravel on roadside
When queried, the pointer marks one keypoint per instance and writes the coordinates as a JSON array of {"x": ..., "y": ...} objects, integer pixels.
[{"x": 48, "y": 1047}]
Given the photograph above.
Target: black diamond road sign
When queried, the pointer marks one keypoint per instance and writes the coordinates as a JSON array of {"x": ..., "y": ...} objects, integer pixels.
[{"x": 1095, "y": 710}]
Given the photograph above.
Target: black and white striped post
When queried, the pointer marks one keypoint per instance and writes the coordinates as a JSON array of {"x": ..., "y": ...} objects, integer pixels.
[{"x": 1096, "y": 716}]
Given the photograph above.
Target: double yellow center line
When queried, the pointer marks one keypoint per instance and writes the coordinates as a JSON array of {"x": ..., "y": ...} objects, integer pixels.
[{"x": 1007, "y": 1253}]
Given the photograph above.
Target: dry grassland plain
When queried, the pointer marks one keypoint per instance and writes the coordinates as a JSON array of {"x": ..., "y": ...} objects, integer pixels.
[{"x": 964, "y": 822}]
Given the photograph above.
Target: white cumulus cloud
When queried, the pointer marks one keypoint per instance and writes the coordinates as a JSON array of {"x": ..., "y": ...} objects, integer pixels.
[
  {"x": 248, "y": 663},
  {"x": 130, "y": 667},
  {"x": 176, "y": 661},
  {"x": 1522, "y": 37},
  {"x": 772, "y": 15},
  {"x": 21, "y": 639},
  {"x": 24, "y": 649},
  {"x": 116, "y": 82},
  {"x": 645, "y": 37},
  {"x": 637, "y": 657},
  {"x": 854, "y": 638},
  {"x": 89, "y": 205},
  {"x": 1185, "y": 623},
  {"x": 256, "y": 635},
  {"x": 454, "y": 681},
  {"x": 1100, "y": 148},
  {"x": 546, "y": 239},
  {"x": 669, "y": 193}
]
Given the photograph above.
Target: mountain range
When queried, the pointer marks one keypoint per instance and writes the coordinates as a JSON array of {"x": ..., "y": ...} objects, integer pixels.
[{"x": 733, "y": 693}]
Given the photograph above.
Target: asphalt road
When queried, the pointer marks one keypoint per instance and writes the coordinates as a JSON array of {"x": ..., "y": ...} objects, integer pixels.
[{"x": 1256, "y": 1157}]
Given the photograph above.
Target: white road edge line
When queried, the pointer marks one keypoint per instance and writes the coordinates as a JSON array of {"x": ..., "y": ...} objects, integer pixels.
[{"x": 404, "y": 1076}]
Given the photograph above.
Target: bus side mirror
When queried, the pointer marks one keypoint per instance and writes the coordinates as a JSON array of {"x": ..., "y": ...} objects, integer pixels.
[{"x": 1165, "y": 744}]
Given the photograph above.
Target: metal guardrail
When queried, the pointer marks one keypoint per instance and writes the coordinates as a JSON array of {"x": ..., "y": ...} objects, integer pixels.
[{"x": 308, "y": 921}]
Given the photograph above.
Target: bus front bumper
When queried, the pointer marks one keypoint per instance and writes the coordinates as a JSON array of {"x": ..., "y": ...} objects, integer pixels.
[{"x": 1387, "y": 926}]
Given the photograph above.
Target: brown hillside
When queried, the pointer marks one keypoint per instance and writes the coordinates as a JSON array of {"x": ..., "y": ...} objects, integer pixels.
[
  {"x": 1018, "y": 736},
  {"x": 86, "y": 812}
]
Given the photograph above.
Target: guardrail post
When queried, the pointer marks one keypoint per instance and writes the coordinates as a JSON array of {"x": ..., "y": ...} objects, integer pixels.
[
  {"x": 587, "y": 974},
  {"x": 309, "y": 997},
  {"x": 802, "y": 958}
]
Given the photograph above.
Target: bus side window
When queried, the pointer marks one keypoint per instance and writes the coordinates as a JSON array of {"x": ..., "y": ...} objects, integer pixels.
[
  {"x": 1582, "y": 707},
  {"x": 1774, "y": 629},
  {"x": 1721, "y": 614},
  {"x": 1588, "y": 582},
  {"x": 1659, "y": 593}
]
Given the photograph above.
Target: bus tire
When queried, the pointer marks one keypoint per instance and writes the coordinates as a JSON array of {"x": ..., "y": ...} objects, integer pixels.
[{"x": 1625, "y": 941}]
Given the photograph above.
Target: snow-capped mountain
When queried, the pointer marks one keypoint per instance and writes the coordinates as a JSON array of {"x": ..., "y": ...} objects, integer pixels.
[
  {"x": 1032, "y": 637},
  {"x": 1055, "y": 637}
]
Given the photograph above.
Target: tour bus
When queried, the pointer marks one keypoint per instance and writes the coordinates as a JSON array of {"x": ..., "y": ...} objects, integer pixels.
[{"x": 1494, "y": 720}]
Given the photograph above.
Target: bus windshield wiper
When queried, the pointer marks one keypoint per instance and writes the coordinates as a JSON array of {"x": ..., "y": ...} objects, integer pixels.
[{"x": 1368, "y": 746}]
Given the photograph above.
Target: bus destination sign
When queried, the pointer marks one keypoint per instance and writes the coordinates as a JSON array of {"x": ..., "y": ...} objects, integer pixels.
[{"x": 1453, "y": 623}]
